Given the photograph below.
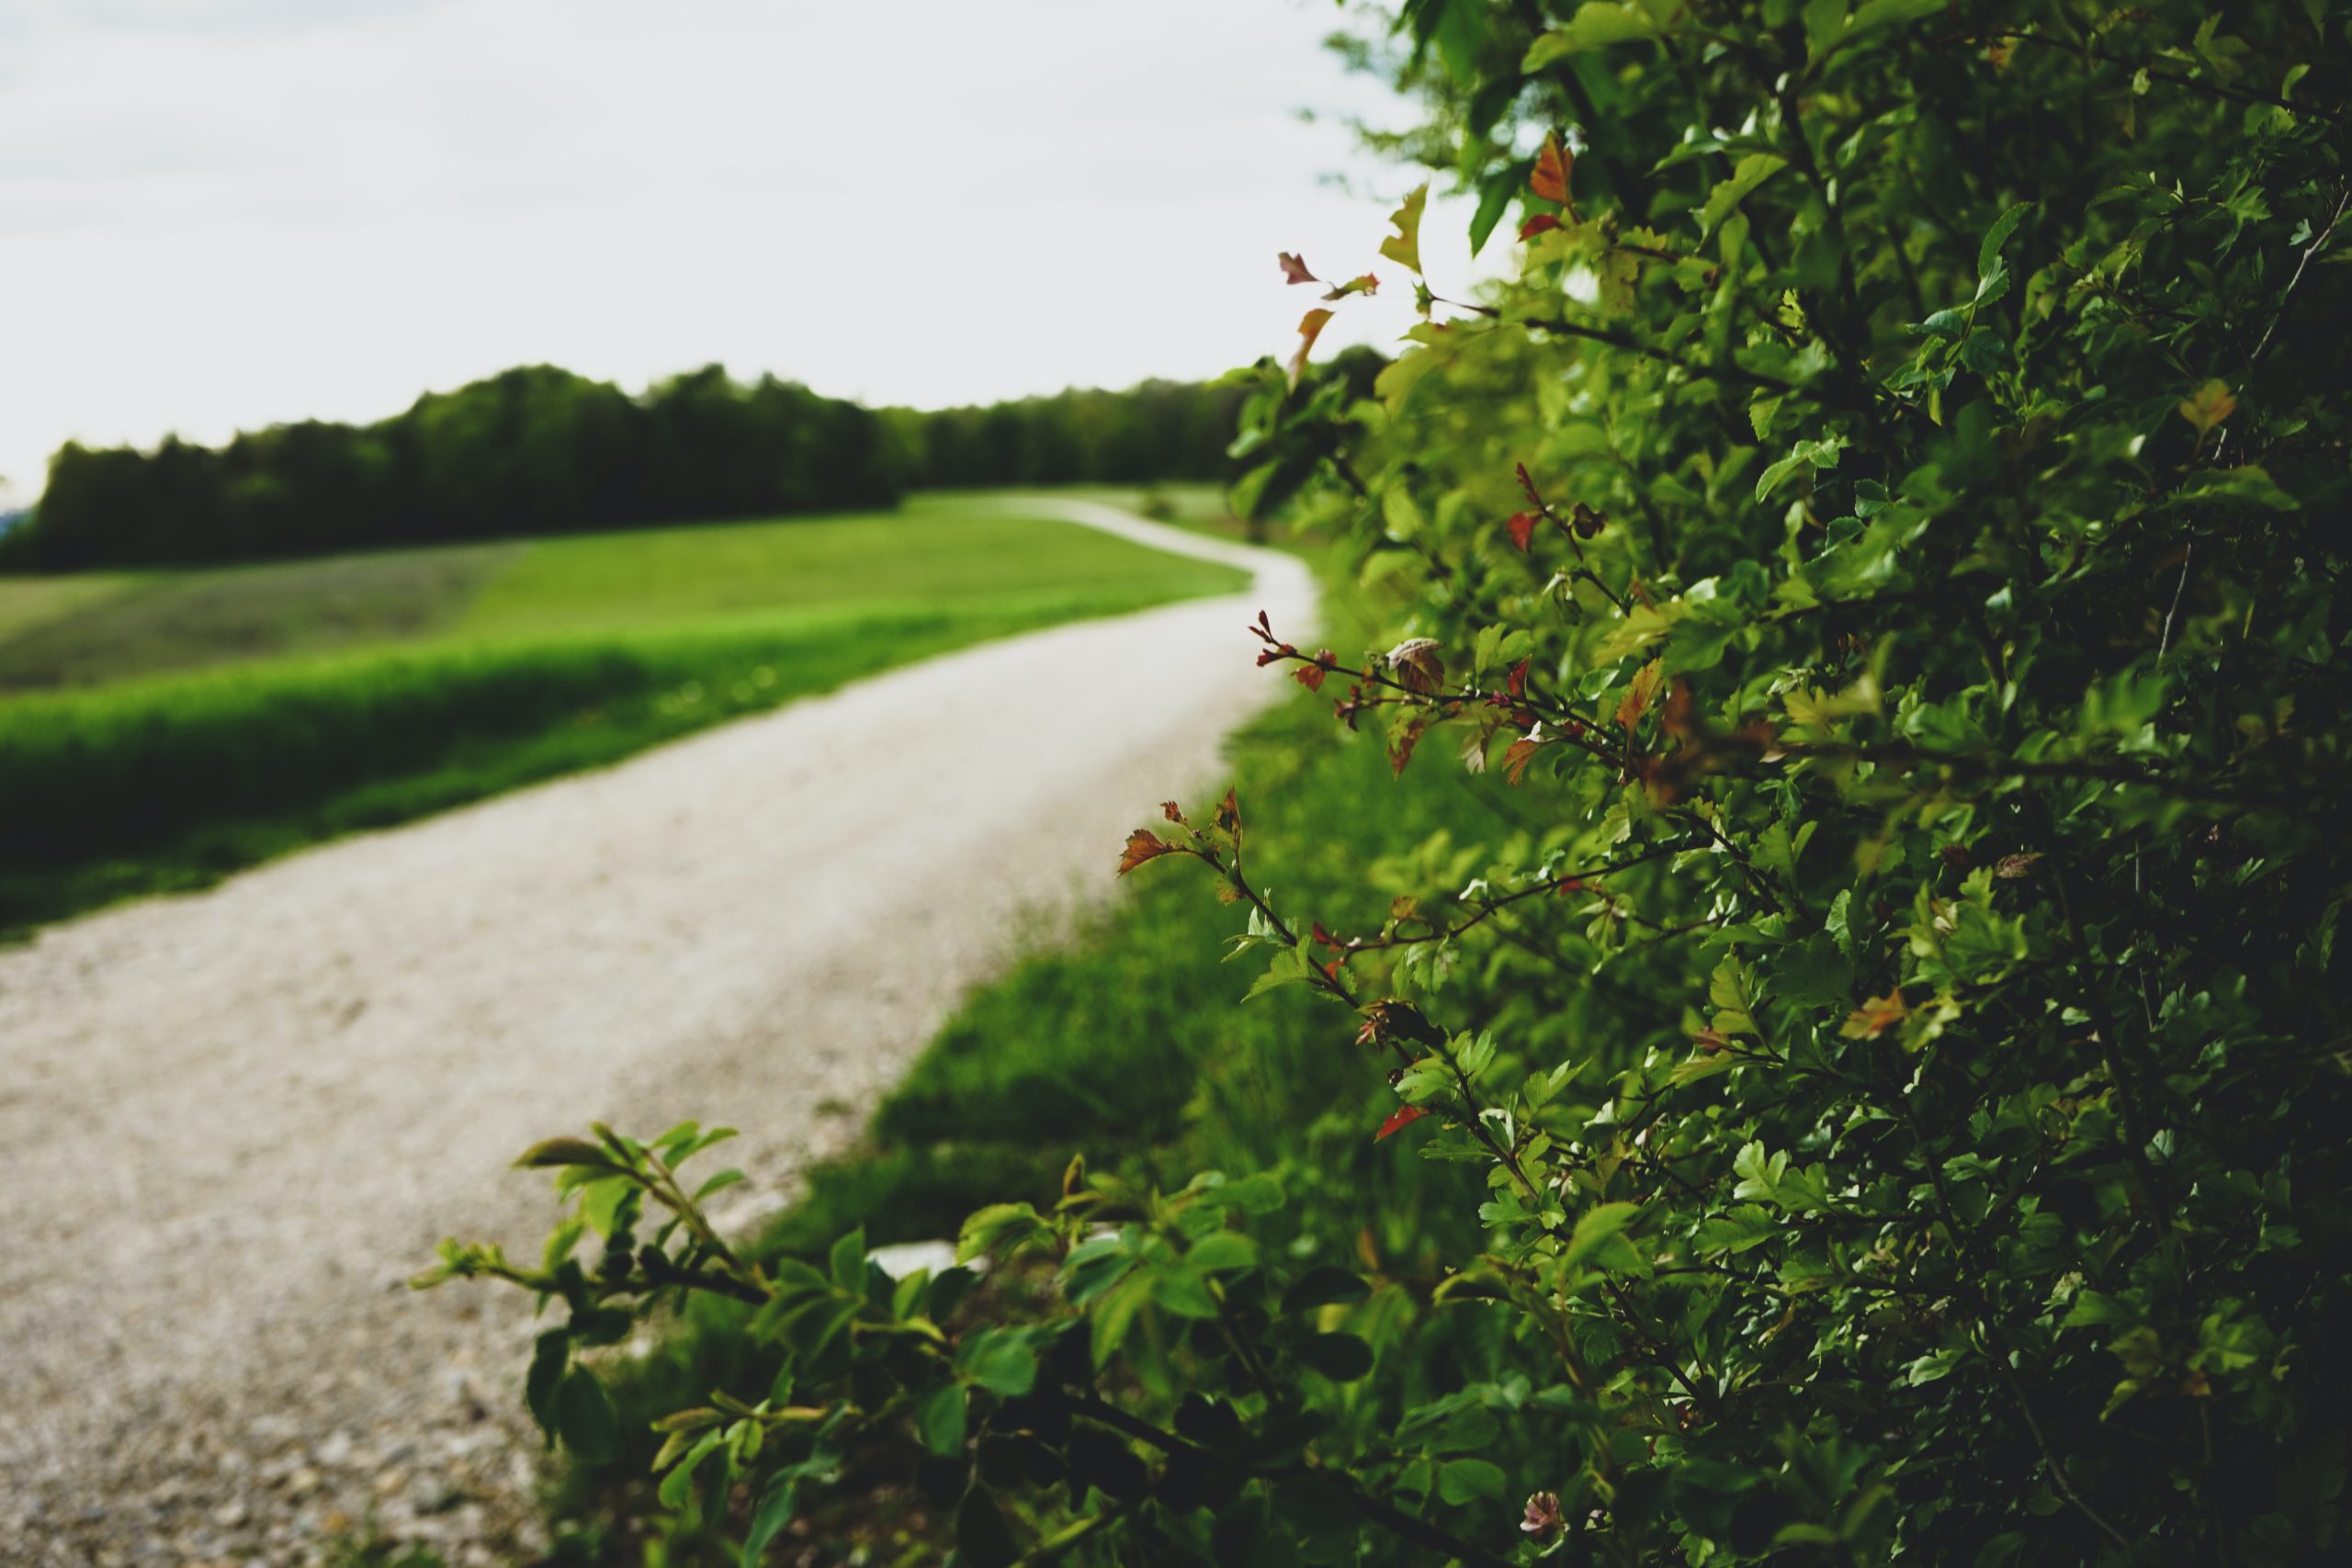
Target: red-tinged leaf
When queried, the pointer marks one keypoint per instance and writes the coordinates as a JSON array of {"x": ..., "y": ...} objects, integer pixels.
[
  {"x": 1171, "y": 810},
  {"x": 1542, "y": 223},
  {"x": 1310, "y": 327},
  {"x": 1399, "y": 1120},
  {"x": 1367, "y": 284},
  {"x": 2008, "y": 868},
  {"x": 1680, "y": 717},
  {"x": 1522, "y": 529},
  {"x": 1417, "y": 664},
  {"x": 1552, "y": 166},
  {"x": 1522, "y": 751},
  {"x": 1876, "y": 1016},
  {"x": 1295, "y": 269},
  {"x": 1516, "y": 682},
  {"x": 1143, "y": 845},
  {"x": 1309, "y": 676},
  {"x": 1228, "y": 813},
  {"x": 1639, "y": 695},
  {"x": 1401, "y": 744}
]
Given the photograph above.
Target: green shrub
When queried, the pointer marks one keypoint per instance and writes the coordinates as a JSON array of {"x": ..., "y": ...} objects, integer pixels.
[{"x": 1888, "y": 538}]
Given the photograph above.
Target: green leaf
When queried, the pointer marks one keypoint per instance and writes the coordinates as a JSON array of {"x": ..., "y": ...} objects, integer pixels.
[
  {"x": 1404, "y": 247},
  {"x": 1748, "y": 1225},
  {"x": 1888, "y": 13},
  {"x": 1988, "y": 254},
  {"x": 678, "y": 1484},
  {"x": 1494, "y": 200},
  {"x": 601, "y": 1326},
  {"x": 775, "y": 1512},
  {"x": 1184, "y": 1292},
  {"x": 584, "y": 1418},
  {"x": 718, "y": 1183},
  {"x": 1747, "y": 174},
  {"x": 1804, "y": 455},
  {"x": 1289, "y": 966},
  {"x": 604, "y": 1202},
  {"x": 1596, "y": 25},
  {"x": 848, "y": 1261},
  {"x": 1259, "y": 1194},
  {"x": 2092, "y": 1310},
  {"x": 1759, "y": 1173},
  {"x": 996, "y": 1226},
  {"x": 2249, "y": 485},
  {"x": 999, "y": 1360},
  {"x": 1220, "y": 1251},
  {"x": 558, "y": 1151},
  {"x": 1116, "y": 1315},
  {"x": 1731, "y": 990},
  {"x": 939, "y": 1418},
  {"x": 550, "y": 1357},
  {"x": 1466, "y": 1481},
  {"x": 1596, "y": 1225},
  {"x": 1812, "y": 974}
]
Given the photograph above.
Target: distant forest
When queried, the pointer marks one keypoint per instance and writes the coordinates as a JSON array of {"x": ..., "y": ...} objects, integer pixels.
[{"x": 539, "y": 450}]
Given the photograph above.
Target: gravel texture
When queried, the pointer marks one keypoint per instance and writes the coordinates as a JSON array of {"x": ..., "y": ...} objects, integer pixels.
[{"x": 237, "y": 1121}]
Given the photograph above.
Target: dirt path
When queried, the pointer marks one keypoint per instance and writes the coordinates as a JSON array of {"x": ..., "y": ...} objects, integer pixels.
[{"x": 235, "y": 1120}]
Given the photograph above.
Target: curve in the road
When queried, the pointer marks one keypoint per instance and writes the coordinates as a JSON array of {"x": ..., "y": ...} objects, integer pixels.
[{"x": 240, "y": 1117}]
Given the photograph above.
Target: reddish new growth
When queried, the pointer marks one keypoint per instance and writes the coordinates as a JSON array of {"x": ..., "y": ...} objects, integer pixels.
[
  {"x": 1275, "y": 649},
  {"x": 1143, "y": 845}
]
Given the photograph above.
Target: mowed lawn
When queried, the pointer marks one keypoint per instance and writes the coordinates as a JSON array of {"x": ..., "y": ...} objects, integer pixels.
[{"x": 158, "y": 731}]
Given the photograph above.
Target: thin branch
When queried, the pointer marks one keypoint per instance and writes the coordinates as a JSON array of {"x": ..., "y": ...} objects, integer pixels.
[{"x": 2049, "y": 1456}]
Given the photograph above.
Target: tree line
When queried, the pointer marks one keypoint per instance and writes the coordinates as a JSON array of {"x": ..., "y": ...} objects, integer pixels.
[{"x": 539, "y": 450}]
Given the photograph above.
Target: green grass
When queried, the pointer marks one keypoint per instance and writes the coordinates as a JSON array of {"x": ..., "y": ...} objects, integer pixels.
[
  {"x": 30, "y": 602},
  {"x": 195, "y": 620},
  {"x": 1117, "y": 1044},
  {"x": 969, "y": 550},
  {"x": 461, "y": 672}
]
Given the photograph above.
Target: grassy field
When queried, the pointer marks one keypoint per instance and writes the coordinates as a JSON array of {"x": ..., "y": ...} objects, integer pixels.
[{"x": 158, "y": 731}]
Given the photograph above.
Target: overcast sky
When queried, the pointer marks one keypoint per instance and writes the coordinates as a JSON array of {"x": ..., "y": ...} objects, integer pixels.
[{"x": 223, "y": 214}]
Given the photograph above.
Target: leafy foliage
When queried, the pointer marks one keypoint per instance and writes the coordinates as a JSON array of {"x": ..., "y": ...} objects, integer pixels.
[{"x": 1888, "y": 534}]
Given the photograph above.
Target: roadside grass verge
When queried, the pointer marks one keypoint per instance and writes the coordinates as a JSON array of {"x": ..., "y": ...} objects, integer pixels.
[
  {"x": 1102, "y": 1046},
  {"x": 170, "y": 782}
]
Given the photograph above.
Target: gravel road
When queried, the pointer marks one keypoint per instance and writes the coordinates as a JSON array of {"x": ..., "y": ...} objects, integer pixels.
[{"x": 236, "y": 1120}]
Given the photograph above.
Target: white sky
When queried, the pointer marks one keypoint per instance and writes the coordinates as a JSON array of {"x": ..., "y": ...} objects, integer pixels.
[{"x": 223, "y": 214}]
